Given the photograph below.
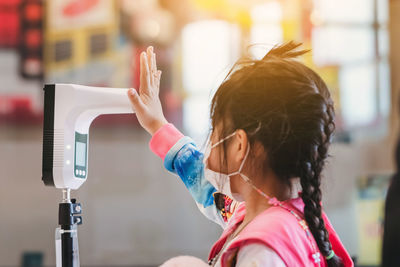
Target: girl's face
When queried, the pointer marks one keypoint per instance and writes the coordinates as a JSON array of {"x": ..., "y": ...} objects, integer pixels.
[{"x": 228, "y": 161}]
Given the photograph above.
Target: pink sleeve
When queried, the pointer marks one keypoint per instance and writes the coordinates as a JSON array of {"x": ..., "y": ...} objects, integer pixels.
[{"x": 164, "y": 139}]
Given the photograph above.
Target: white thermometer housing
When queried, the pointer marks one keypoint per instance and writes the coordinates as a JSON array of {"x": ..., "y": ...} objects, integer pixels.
[{"x": 69, "y": 110}]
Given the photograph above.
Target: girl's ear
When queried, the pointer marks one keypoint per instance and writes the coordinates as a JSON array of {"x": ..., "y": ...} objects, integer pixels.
[{"x": 241, "y": 143}]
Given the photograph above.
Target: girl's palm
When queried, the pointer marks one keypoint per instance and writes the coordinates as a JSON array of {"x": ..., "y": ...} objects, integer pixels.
[{"x": 146, "y": 103}]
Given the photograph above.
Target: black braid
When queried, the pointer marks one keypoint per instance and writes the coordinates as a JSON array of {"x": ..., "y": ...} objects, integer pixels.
[{"x": 310, "y": 179}]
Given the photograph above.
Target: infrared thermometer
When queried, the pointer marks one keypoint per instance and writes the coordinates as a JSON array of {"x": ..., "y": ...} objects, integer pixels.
[{"x": 69, "y": 110}]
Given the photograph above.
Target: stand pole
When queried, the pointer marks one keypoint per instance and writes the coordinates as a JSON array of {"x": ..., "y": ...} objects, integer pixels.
[{"x": 68, "y": 221}]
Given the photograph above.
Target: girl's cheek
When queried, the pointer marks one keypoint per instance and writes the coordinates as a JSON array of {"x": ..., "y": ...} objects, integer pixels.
[
  {"x": 213, "y": 161},
  {"x": 216, "y": 162}
]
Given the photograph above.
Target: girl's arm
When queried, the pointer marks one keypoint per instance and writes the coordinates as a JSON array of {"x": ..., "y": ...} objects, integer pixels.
[
  {"x": 179, "y": 153},
  {"x": 181, "y": 156}
]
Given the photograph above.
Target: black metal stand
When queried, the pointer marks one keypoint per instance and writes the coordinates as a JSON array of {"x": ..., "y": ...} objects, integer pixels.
[{"x": 67, "y": 220}]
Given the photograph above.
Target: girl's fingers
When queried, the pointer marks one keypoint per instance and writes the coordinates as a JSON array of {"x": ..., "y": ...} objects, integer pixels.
[
  {"x": 152, "y": 56},
  {"x": 157, "y": 78},
  {"x": 135, "y": 100},
  {"x": 148, "y": 76},
  {"x": 150, "y": 64},
  {"x": 156, "y": 74},
  {"x": 144, "y": 74},
  {"x": 154, "y": 63}
]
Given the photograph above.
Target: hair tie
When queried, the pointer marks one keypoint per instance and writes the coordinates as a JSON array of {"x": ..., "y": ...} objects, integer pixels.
[{"x": 331, "y": 255}]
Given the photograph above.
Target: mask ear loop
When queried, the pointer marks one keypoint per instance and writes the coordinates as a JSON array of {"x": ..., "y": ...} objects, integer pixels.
[
  {"x": 210, "y": 146},
  {"x": 247, "y": 179},
  {"x": 222, "y": 140}
]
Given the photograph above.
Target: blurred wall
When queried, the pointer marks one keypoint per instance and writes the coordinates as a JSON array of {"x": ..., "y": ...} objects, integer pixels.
[
  {"x": 395, "y": 65},
  {"x": 348, "y": 162}
]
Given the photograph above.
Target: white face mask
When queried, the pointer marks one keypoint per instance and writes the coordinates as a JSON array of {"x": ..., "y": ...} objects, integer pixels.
[{"x": 221, "y": 181}]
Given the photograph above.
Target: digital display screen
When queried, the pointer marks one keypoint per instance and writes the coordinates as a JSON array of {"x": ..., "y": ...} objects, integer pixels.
[{"x": 80, "y": 159}]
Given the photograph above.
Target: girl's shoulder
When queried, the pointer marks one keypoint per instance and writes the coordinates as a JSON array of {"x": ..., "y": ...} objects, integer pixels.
[{"x": 279, "y": 220}]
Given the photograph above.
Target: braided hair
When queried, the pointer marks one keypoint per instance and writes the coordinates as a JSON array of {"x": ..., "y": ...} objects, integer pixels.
[{"x": 285, "y": 106}]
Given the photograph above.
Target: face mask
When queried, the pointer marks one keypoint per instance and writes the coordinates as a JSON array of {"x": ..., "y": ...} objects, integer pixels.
[{"x": 221, "y": 181}]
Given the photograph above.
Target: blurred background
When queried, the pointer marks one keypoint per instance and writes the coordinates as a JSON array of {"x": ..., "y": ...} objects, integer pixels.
[{"x": 136, "y": 213}]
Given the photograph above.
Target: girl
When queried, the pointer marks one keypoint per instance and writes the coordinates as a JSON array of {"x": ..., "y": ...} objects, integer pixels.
[{"x": 272, "y": 121}]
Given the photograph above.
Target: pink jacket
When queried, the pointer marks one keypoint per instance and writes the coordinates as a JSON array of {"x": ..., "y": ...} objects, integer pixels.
[{"x": 280, "y": 231}]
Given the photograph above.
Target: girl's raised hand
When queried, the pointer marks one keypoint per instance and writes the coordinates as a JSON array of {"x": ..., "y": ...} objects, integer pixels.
[{"x": 146, "y": 103}]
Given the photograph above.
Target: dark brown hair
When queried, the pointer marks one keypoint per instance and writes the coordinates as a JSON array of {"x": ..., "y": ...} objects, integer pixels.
[{"x": 285, "y": 106}]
